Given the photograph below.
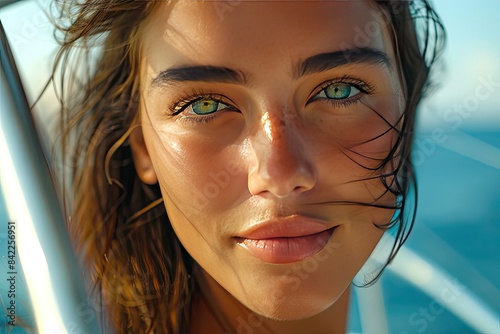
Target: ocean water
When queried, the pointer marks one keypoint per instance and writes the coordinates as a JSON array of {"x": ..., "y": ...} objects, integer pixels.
[{"x": 457, "y": 227}]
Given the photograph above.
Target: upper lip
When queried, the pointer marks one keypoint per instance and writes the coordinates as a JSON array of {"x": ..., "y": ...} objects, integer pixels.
[{"x": 282, "y": 227}]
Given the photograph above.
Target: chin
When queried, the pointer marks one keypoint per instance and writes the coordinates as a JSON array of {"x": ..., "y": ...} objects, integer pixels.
[
  {"x": 293, "y": 313},
  {"x": 294, "y": 306}
]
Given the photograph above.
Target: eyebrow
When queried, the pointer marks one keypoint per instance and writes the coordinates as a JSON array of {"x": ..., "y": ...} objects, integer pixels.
[
  {"x": 315, "y": 64},
  {"x": 198, "y": 73},
  {"x": 327, "y": 61}
]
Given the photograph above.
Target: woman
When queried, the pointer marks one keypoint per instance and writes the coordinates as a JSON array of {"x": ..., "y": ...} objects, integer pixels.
[{"x": 235, "y": 163}]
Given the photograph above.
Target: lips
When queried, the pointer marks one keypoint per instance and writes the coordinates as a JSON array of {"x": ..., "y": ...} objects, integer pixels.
[{"x": 286, "y": 240}]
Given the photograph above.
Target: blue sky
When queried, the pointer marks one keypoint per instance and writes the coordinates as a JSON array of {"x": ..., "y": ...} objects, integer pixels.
[{"x": 473, "y": 51}]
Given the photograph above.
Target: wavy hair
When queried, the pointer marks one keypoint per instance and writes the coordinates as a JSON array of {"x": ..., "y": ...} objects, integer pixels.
[{"x": 118, "y": 224}]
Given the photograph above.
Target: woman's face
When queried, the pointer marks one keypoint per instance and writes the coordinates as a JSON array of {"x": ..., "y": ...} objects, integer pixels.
[{"x": 264, "y": 122}]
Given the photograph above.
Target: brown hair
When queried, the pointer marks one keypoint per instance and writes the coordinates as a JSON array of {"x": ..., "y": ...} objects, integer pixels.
[{"x": 117, "y": 223}]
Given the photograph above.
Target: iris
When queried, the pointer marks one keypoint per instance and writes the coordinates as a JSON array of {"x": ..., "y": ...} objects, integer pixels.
[
  {"x": 338, "y": 91},
  {"x": 205, "y": 106}
]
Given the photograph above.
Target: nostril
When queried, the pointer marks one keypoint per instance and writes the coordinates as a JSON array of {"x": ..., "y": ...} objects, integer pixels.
[
  {"x": 299, "y": 189},
  {"x": 288, "y": 182}
]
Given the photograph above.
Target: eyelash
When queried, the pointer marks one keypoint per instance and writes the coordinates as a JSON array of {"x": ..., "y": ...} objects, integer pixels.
[
  {"x": 193, "y": 96},
  {"x": 363, "y": 87}
]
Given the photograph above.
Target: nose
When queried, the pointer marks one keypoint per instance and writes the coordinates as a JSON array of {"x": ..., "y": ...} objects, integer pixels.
[{"x": 280, "y": 165}]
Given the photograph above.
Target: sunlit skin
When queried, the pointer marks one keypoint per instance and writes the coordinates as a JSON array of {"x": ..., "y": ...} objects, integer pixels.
[{"x": 282, "y": 143}]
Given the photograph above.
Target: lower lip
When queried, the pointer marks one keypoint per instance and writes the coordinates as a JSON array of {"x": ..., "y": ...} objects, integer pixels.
[{"x": 287, "y": 249}]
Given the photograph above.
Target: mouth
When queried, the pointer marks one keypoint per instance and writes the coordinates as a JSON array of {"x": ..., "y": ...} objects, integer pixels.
[{"x": 286, "y": 240}]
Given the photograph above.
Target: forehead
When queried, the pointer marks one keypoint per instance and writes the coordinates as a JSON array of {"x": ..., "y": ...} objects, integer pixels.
[{"x": 251, "y": 35}]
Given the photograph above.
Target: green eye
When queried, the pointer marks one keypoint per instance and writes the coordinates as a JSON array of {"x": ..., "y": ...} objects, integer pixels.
[
  {"x": 338, "y": 91},
  {"x": 205, "y": 106}
]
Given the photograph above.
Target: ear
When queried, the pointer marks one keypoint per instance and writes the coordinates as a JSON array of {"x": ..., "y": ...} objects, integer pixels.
[{"x": 142, "y": 160}]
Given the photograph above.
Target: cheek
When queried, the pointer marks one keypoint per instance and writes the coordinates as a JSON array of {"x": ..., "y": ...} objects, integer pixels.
[
  {"x": 197, "y": 175},
  {"x": 372, "y": 136},
  {"x": 197, "y": 185},
  {"x": 378, "y": 153},
  {"x": 365, "y": 132},
  {"x": 352, "y": 146}
]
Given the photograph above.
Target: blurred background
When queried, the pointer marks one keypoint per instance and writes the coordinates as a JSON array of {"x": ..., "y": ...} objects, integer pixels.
[
  {"x": 457, "y": 159},
  {"x": 447, "y": 277}
]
